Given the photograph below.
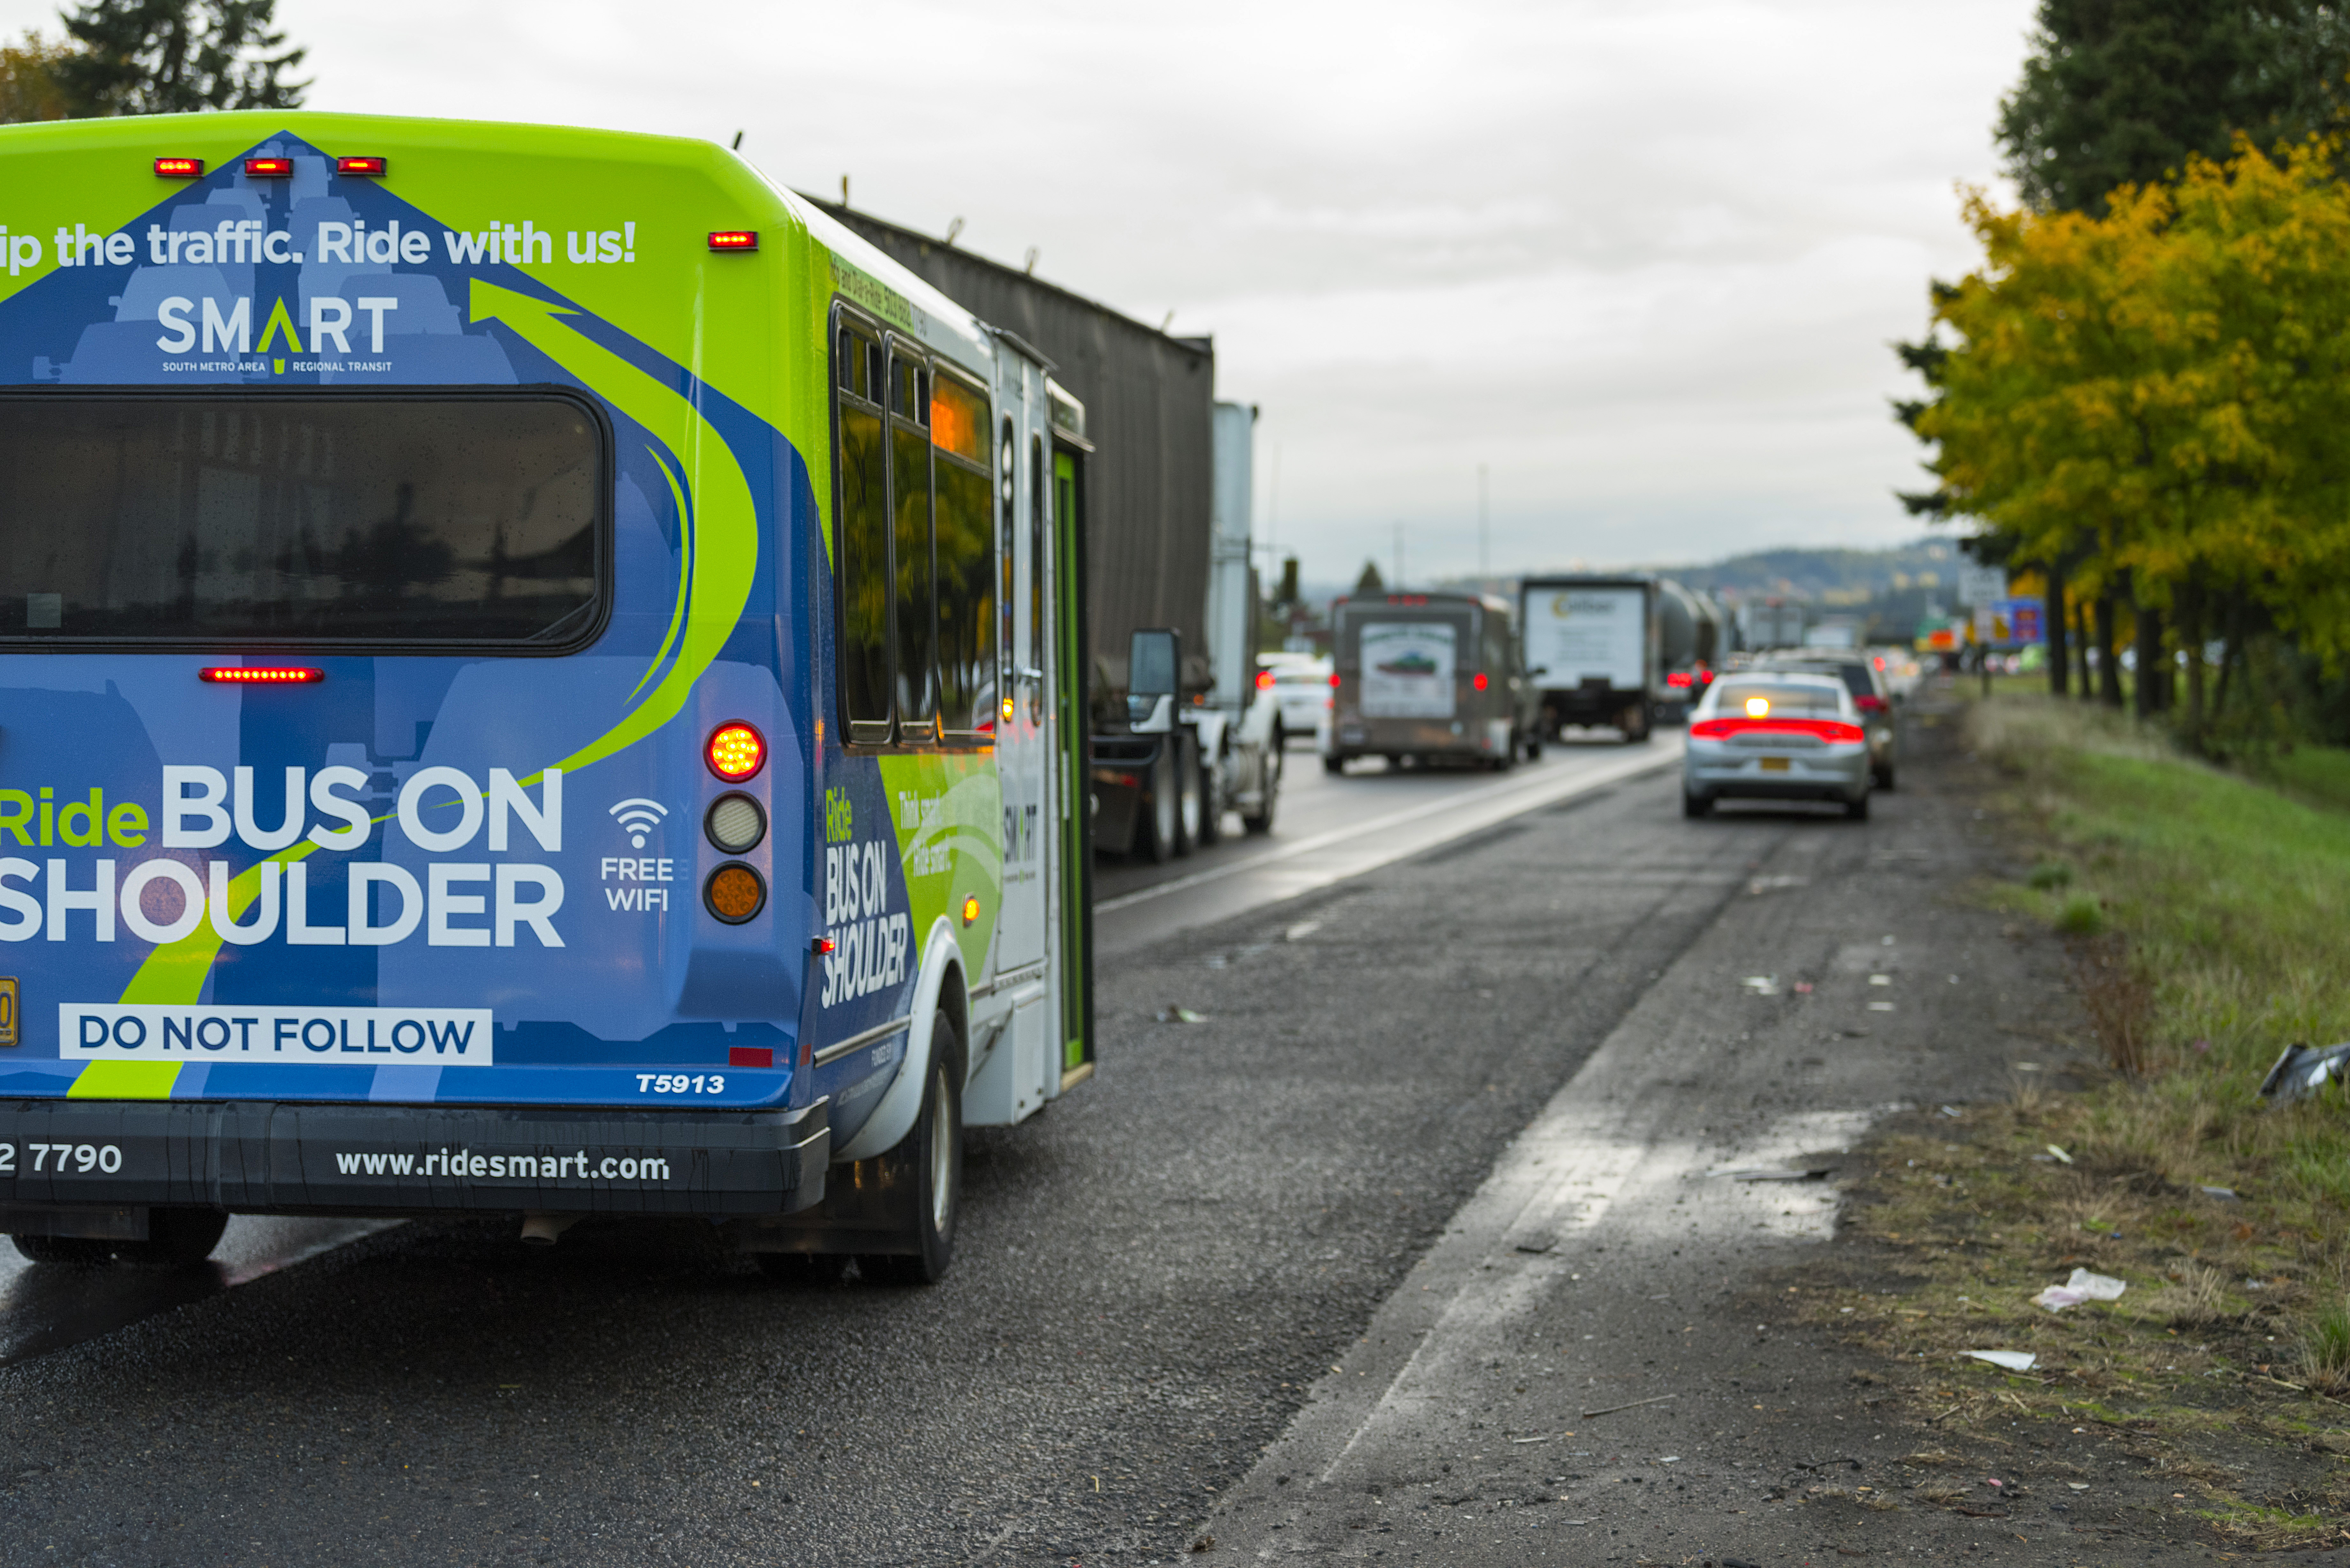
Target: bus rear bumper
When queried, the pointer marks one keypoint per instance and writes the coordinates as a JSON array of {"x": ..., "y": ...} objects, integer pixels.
[{"x": 66, "y": 1161}]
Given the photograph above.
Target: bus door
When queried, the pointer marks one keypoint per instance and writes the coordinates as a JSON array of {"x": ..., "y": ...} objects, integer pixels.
[{"x": 1023, "y": 730}]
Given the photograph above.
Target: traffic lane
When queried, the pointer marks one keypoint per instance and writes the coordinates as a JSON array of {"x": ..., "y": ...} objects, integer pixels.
[
  {"x": 1378, "y": 827},
  {"x": 1315, "y": 801},
  {"x": 1150, "y": 1277},
  {"x": 1599, "y": 1349}
]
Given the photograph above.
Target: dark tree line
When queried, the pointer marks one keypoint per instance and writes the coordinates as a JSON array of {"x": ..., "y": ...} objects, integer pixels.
[{"x": 152, "y": 57}]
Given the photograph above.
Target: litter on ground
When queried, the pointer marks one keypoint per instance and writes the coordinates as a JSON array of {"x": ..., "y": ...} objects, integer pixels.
[
  {"x": 2083, "y": 1286},
  {"x": 2301, "y": 1071},
  {"x": 1762, "y": 984},
  {"x": 2014, "y": 1360},
  {"x": 1181, "y": 1015}
]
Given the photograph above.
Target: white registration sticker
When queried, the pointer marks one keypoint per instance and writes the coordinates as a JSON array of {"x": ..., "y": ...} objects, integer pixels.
[{"x": 351, "y": 1037}]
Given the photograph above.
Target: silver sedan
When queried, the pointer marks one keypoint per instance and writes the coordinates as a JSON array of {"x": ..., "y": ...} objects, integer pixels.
[{"x": 1773, "y": 735}]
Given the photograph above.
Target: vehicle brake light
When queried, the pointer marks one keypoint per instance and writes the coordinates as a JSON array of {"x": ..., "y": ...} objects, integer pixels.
[
  {"x": 259, "y": 675},
  {"x": 1479, "y": 682},
  {"x": 737, "y": 751},
  {"x": 1334, "y": 680},
  {"x": 1265, "y": 679},
  {"x": 1832, "y": 731},
  {"x": 268, "y": 168},
  {"x": 733, "y": 239},
  {"x": 1758, "y": 707},
  {"x": 179, "y": 168},
  {"x": 1868, "y": 703},
  {"x": 362, "y": 166},
  {"x": 1681, "y": 677}
]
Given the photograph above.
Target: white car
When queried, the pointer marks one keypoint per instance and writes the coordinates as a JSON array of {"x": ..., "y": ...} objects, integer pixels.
[
  {"x": 1300, "y": 691},
  {"x": 1771, "y": 734}
]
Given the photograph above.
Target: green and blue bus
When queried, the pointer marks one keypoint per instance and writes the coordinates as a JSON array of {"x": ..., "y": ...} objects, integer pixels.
[{"x": 538, "y": 676}]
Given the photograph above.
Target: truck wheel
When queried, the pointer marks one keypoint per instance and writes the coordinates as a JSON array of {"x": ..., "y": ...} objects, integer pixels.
[
  {"x": 1187, "y": 795},
  {"x": 1334, "y": 765},
  {"x": 65, "y": 1251},
  {"x": 1212, "y": 795},
  {"x": 176, "y": 1238},
  {"x": 1158, "y": 824},
  {"x": 928, "y": 1163},
  {"x": 1533, "y": 748},
  {"x": 1275, "y": 767}
]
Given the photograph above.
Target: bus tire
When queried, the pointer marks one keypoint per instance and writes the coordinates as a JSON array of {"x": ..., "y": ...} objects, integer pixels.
[
  {"x": 65, "y": 1251},
  {"x": 927, "y": 1167},
  {"x": 176, "y": 1238}
]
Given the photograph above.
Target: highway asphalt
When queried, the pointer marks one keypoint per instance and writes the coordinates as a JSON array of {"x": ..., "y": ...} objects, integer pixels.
[{"x": 1169, "y": 1288}]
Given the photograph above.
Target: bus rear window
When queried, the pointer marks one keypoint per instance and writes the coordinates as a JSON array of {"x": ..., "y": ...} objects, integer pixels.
[{"x": 341, "y": 519}]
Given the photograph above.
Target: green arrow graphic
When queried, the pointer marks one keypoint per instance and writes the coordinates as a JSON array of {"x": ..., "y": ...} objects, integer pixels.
[{"x": 723, "y": 550}]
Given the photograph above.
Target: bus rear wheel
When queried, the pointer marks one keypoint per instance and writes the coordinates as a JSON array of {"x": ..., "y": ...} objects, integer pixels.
[
  {"x": 927, "y": 1167},
  {"x": 65, "y": 1251},
  {"x": 176, "y": 1238}
]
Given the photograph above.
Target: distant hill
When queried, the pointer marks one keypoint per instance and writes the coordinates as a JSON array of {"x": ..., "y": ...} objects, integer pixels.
[{"x": 1827, "y": 578}]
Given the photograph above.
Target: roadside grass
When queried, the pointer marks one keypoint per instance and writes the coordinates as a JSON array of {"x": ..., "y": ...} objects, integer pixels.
[{"x": 2204, "y": 915}]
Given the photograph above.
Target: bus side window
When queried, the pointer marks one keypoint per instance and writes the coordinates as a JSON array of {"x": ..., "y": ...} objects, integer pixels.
[
  {"x": 861, "y": 544},
  {"x": 910, "y": 498},
  {"x": 1036, "y": 571},
  {"x": 966, "y": 559}
]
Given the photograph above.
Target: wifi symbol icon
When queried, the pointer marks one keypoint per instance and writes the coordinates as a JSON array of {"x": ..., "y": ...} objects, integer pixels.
[{"x": 638, "y": 817}]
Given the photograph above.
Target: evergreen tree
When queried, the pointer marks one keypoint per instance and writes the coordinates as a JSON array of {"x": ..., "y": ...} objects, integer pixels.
[
  {"x": 1370, "y": 582},
  {"x": 2120, "y": 91},
  {"x": 176, "y": 57}
]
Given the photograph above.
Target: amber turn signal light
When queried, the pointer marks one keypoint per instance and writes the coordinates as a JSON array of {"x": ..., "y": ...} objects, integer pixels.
[{"x": 735, "y": 893}]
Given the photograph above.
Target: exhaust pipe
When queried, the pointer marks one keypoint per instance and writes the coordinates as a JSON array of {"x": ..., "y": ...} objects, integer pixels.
[{"x": 540, "y": 1229}]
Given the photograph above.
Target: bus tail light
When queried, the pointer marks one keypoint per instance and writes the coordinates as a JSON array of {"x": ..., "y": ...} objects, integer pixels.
[
  {"x": 737, "y": 751},
  {"x": 1478, "y": 681},
  {"x": 362, "y": 166},
  {"x": 735, "y": 893},
  {"x": 733, "y": 239},
  {"x": 259, "y": 675},
  {"x": 179, "y": 168},
  {"x": 269, "y": 167},
  {"x": 1334, "y": 680}
]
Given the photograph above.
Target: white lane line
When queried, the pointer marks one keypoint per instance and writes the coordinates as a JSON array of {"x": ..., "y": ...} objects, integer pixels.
[{"x": 1477, "y": 809}]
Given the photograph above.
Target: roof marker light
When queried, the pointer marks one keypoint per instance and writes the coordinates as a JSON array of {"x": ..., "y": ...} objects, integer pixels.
[
  {"x": 179, "y": 168},
  {"x": 362, "y": 166},
  {"x": 737, "y": 751},
  {"x": 259, "y": 675},
  {"x": 268, "y": 168},
  {"x": 733, "y": 239}
]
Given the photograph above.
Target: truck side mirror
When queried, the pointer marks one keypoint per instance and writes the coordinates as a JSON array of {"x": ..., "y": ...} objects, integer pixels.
[{"x": 1152, "y": 658}]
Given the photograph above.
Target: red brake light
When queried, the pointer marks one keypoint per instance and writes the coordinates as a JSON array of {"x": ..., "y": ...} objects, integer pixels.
[
  {"x": 268, "y": 168},
  {"x": 1479, "y": 680},
  {"x": 737, "y": 751},
  {"x": 1265, "y": 679},
  {"x": 1681, "y": 677},
  {"x": 733, "y": 239},
  {"x": 1870, "y": 703},
  {"x": 1832, "y": 731},
  {"x": 179, "y": 168},
  {"x": 362, "y": 165},
  {"x": 259, "y": 675},
  {"x": 1334, "y": 680}
]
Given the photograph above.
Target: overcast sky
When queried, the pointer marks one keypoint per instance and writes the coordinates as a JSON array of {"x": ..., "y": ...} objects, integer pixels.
[{"x": 1642, "y": 257}]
